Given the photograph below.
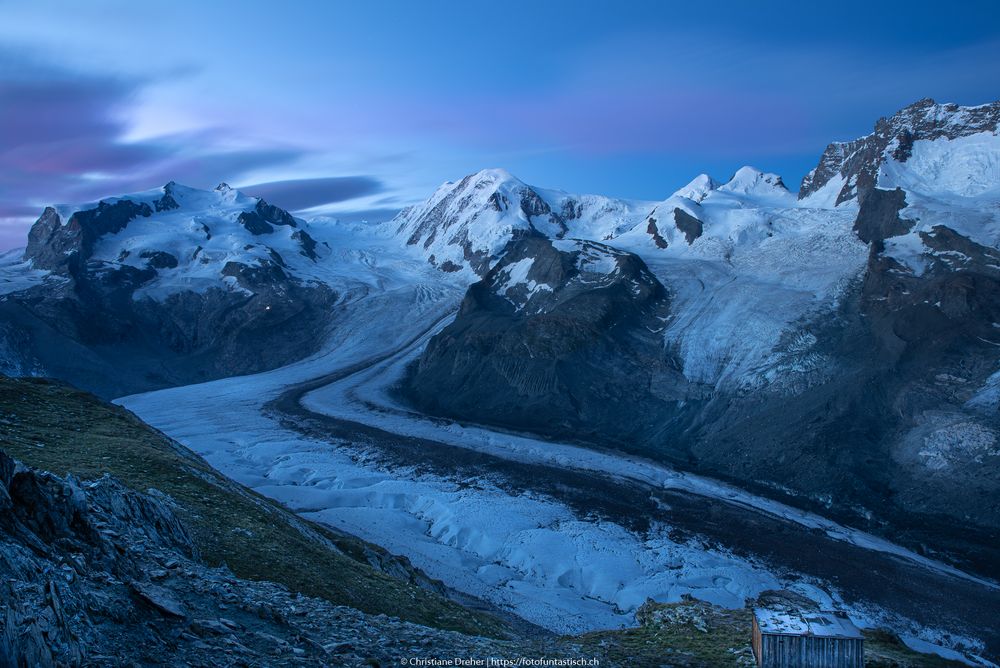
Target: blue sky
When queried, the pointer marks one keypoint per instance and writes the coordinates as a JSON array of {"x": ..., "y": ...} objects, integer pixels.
[{"x": 360, "y": 108}]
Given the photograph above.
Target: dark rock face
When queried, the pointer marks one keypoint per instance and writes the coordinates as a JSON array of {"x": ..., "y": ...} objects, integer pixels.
[
  {"x": 66, "y": 551},
  {"x": 533, "y": 206},
  {"x": 571, "y": 210},
  {"x": 936, "y": 336},
  {"x": 566, "y": 350},
  {"x": 274, "y": 215},
  {"x": 264, "y": 216},
  {"x": 61, "y": 248},
  {"x": 878, "y": 217},
  {"x": 308, "y": 244},
  {"x": 47, "y": 246},
  {"x": 688, "y": 224},
  {"x": 159, "y": 259},
  {"x": 895, "y": 424},
  {"x": 858, "y": 161},
  {"x": 654, "y": 231},
  {"x": 167, "y": 202},
  {"x": 98, "y": 336},
  {"x": 255, "y": 223}
]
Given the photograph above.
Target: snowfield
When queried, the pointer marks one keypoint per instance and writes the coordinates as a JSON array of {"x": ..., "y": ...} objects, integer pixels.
[{"x": 16, "y": 274}]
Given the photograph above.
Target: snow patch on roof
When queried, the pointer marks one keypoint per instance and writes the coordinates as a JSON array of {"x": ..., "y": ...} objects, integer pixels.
[{"x": 824, "y": 624}]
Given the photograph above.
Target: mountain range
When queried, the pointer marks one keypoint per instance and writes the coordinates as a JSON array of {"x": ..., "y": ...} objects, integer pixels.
[{"x": 836, "y": 348}]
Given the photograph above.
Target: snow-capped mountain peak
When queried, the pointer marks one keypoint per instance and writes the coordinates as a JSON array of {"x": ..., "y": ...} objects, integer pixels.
[
  {"x": 848, "y": 171},
  {"x": 465, "y": 225},
  {"x": 751, "y": 181},
  {"x": 698, "y": 189},
  {"x": 173, "y": 239}
]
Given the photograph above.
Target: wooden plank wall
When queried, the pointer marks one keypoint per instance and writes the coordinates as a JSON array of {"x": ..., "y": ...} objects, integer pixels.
[{"x": 788, "y": 651}]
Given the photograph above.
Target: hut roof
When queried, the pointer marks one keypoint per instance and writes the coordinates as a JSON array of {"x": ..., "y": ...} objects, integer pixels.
[{"x": 800, "y": 623}]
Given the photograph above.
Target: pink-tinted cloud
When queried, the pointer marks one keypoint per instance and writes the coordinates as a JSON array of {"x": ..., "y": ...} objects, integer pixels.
[{"x": 62, "y": 140}]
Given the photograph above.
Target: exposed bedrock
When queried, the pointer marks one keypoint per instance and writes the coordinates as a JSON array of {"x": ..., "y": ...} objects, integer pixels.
[{"x": 563, "y": 342}]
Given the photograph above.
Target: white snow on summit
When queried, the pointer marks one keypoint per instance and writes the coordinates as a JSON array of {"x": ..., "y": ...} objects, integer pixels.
[
  {"x": 698, "y": 188},
  {"x": 467, "y": 224},
  {"x": 202, "y": 234},
  {"x": 749, "y": 181}
]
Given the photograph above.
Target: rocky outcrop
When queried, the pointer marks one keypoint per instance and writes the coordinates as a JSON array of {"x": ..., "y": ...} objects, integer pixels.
[
  {"x": 98, "y": 575},
  {"x": 70, "y": 553},
  {"x": 264, "y": 217},
  {"x": 653, "y": 230},
  {"x": 95, "y": 574},
  {"x": 159, "y": 259},
  {"x": 64, "y": 248},
  {"x": 878, "y": 217},
  {"x": 690, "y": 226},
  {"x": 558, "y": 338}
]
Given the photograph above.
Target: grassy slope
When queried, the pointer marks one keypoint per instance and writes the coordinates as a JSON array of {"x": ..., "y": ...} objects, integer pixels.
[{"x": 55, "y": 427}]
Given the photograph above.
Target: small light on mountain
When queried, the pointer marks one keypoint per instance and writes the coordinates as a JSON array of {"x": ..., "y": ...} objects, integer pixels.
[{"x": 267, "y": 308}]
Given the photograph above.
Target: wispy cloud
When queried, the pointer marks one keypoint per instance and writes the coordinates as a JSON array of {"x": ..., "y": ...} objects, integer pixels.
[
  {"x": 63, "y": 140},
  {"x": 299, "y": 194}
]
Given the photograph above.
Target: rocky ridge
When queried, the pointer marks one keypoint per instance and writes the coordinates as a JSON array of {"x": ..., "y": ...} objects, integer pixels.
[
  {"x": 96, "y": 574},
  {"x": 850, "y": 170}
]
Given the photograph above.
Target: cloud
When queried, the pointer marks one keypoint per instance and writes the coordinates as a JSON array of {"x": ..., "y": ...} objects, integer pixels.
[
  {"x": 62, "y": 139},
  {"x": 299, "y": 194}
]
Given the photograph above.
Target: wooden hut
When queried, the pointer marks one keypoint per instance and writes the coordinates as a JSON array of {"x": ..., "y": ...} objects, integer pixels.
[{"x": 784, "y": 638}]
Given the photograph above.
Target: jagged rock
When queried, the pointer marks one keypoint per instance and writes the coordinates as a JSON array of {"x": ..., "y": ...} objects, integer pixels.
[
  {"x": 167, "y": 202},
  {"x": 210, "y": 627},
  {"x": 654, "y": 231},
  {"x": 159, "y": 598},
  {"x": 159, "y": 259},
  {"x": 255, "y": 223},
  {"x": 109, "y": 614},
  {"x": 308, "y": 244}
]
